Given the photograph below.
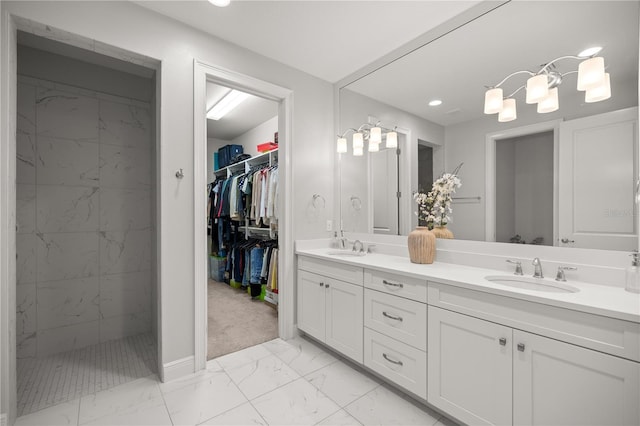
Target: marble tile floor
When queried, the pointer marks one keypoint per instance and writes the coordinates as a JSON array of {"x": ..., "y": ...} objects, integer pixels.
[
  {"x": 278, "y": 382},
  {"x": 55, "y": 380}
]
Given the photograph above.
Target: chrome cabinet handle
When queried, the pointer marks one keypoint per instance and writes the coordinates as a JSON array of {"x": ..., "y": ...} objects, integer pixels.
[
  {"x": 385, "y": 282},
  {"x": 521, "y": 347},
  {"x": 384, "y": 313},
  {"x": 326, "y": 285},
  {"x": 392, "y": 361},
  {"x": 503, "y": 341},
  {"x": 321, "y": 284},
  {"x": 567, "y": 241}
]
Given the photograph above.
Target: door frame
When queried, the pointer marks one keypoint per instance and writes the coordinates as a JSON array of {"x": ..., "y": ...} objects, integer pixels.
[
  {"x": 490, "y": 171},
  {"x": 203, "y": 72}
]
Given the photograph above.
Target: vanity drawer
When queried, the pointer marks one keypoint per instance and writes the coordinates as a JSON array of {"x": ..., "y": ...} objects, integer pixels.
[
  {"x": 400, "y": 363},
  {"x": 339, "y": 271},
  {"x": 604, "y": 334},
  {"x": 411, "y": 288},
  {"x": 402, "y": 319}
]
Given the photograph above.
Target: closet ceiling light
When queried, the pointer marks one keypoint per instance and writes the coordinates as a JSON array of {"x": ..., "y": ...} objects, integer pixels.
[
  {"x": 225, "y": 105},
  {"x": 220, "y": 3},
  {"x": 435, "y": 102},
  {"x": 370, "y": 132},
  {"x": 542, "y": 86}
]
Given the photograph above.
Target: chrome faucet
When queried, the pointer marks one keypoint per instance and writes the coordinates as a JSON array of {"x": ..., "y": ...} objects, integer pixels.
[
  {"x": 342, "y": 241},
  {"x": 537, "y": 272},
  {"x": 358, "y": 246}
]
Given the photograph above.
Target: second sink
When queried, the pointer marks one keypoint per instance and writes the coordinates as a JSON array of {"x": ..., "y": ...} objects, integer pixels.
[{"x": 536, "y": 284}]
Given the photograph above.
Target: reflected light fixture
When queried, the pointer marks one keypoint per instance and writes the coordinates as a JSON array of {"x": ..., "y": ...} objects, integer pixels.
[
  {"x": 372, "y": 133},
  {"x": 220, "y": 3},
  {"x": 231, "y": 100},
  {"x": 542, "y": 86}
]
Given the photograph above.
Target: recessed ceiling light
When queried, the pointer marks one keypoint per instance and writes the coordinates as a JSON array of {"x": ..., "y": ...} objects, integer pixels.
[
  {"x": 590, "y": 51},
  {"x": 435, "y": 102},
  {"x": 220, "y": 3}
]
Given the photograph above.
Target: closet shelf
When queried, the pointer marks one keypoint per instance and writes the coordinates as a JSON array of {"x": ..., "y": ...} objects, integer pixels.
[{"x": 244, "y": 166}]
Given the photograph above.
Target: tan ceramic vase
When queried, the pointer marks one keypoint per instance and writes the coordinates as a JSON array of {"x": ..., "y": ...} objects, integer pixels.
[
  {"x": 442, "y": 232},
  {"x": 422, "y": 245}
]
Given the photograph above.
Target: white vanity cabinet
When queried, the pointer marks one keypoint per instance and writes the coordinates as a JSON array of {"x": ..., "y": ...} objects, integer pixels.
[
  {"x": 483, "y": 372},
  {"x": 331, "y": 309},
  {"x": 395, "y": 334}
]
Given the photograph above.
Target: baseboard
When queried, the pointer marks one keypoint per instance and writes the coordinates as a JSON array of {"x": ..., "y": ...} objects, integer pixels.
[{"x": 178, "y": 368}]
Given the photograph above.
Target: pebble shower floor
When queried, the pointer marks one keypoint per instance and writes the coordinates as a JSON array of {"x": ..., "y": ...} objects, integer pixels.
[{"x": 43, "y": 382}]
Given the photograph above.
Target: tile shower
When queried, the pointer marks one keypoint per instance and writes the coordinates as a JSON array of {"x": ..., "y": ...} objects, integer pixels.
[{"x": 84, "y": 218}]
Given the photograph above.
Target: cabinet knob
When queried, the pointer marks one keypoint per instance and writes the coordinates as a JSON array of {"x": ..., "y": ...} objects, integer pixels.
[
  {"x": 321, "y": 284},
  {"x": 326, "y": 285},
  {"x": 521, "y": 347},
  {"x": 503, "y": 341}
]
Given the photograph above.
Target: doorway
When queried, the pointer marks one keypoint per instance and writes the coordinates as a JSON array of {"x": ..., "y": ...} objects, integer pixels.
[
  {"x": 86, "y": 289},
  {"x": 204, "y": 74},
  {"x": 242, "y": 223}
]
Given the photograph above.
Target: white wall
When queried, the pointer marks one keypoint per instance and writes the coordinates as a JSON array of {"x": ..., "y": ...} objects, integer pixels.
[
  {"x": 260, "y": 134},
  {"x": 354, "y": 111},
  {"x": 128, "y": 26}
]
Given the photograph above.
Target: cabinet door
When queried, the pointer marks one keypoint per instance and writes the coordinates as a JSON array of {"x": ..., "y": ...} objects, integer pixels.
[
  {"x": 311, "y": 304},
  {"x": 469, "y": 368},
  {"x": 556, "y": 383},
  {"x": 344, "y": 329}
]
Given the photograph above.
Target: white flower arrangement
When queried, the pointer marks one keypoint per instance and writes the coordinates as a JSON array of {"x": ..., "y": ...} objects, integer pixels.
[{"x": 435, "y": 206}]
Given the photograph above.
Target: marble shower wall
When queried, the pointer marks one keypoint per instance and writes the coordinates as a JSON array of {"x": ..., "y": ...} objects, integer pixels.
[{"x": 84, "y": 217}]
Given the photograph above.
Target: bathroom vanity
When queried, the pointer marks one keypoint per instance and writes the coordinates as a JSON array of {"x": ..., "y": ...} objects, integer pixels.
[{"x": 480, "y": 351}]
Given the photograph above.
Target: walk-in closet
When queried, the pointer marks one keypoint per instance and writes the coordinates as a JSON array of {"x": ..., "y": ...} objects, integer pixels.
[
  {"x": 243, "y": 200},
  {"x": 86, "y": 284}
]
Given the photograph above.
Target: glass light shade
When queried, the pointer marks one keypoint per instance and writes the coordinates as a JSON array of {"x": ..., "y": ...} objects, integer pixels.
[
  {"x": 392, "y": 140},
  {"x": 493, "y": 101},
  {"x": 342, "y": 145},
  {"x": 358, "y": 141},
  {"x": 550, "y": 103},
  {"x": 508, "y": 112},
  {"x": 220, "y": 3},
  {"x": 358, "y": 152},
  {"x": 375, "y": 136},
  {"x": 374, "y": 147},
  {"x": 599, "y": 93},
  {"x": 590, "y": 73},
  {"x": 537, "y": 88}
]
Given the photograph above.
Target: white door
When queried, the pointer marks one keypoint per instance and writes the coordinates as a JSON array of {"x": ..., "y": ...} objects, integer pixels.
[
  {"x": 469, "y": 368},
  {"x": 384, "y": 188},
  {"x": 311, "y": 304},
  {"x": 344, "y": 313},
  {"x": 597, "y": 175},
  {"x": 556, "y": 383}
]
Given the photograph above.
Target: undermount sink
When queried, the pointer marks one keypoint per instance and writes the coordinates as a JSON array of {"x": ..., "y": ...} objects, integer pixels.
[
  {"x": 536, "y": 284},
  {"x": 346, "y": 253}
]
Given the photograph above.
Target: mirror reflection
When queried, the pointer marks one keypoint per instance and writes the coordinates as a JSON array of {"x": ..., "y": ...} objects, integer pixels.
[{"x": 562, "y": 176}]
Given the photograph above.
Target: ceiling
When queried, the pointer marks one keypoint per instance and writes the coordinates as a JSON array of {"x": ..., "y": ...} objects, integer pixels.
[
  {"x": 516, "y": 36},
  {"x": 327, "y": 39},
  {"x": 246, "y": 116}
]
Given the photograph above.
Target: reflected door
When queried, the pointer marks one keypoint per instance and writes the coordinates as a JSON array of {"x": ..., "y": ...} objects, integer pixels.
[
  {"x": 385, "y": 191},
  {"x": 599, "y": 168}
]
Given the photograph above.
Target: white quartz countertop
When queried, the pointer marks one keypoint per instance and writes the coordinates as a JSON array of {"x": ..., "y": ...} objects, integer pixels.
[{"x": 609, "y": 301}]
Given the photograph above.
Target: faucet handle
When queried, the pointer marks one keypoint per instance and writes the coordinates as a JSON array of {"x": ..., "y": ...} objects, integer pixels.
[
  {"x": 518, "y": 266},
  {"x": 560, "y": 275},
  {"x": 369, "y": 247}
]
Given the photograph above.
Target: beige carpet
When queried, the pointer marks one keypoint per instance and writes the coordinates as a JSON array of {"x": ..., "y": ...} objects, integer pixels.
[{"x": 235, "y": 321}]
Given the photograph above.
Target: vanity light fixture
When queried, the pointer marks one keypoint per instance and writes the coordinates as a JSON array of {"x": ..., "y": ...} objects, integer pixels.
[
  {"x": 542, "y": 86},
  {"x": 435, "y": 102},
  {"x": 224, "y": 106},
  {"x": 372, "y": 133}
]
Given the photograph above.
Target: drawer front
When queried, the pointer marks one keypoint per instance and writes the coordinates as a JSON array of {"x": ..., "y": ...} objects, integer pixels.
[
  {"x": 400, "y": 363},
  {"x": 410, "y": 288},
  {"x": 608, "y": 335},
  {"x": 402, "y": 319},
  {"x": 339, "y": 271}
]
